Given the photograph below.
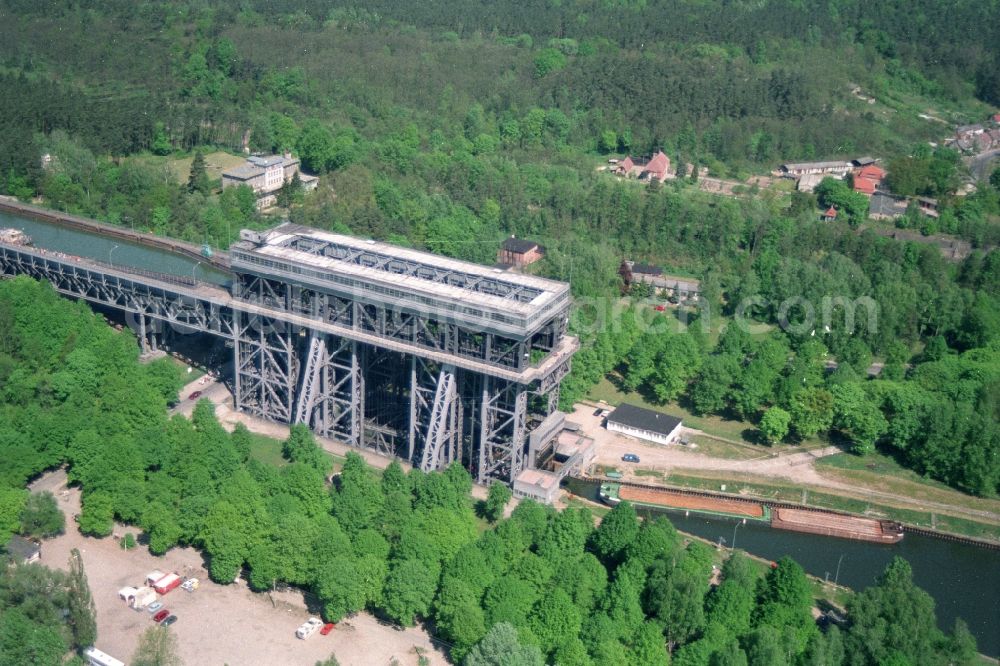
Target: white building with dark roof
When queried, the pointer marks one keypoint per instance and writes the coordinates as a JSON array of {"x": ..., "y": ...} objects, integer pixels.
[
  {"x": 645, "y": 424},
  {"x": 266, "y": 175}
]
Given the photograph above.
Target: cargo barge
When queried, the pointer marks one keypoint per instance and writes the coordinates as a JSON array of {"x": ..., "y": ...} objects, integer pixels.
[
  {"x": 809, "y": 521},
  {"x": 657, "y": 498},
  {"x": 840, "y": 525}
]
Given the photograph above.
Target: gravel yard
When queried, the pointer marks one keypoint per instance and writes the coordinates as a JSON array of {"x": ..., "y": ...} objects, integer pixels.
[{"x": 217, "y": 624}]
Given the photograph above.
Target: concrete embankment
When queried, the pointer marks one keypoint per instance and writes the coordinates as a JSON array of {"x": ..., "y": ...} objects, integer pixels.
[{"x": 219, "y": 260}]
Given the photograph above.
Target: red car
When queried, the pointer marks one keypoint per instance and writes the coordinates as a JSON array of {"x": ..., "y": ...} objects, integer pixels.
[
  {"x": 327, "y": 628},
  {"x": 660, "y": 308},
  {"x": 195, "y": 395},
  {"x": 161, "y": 616}
]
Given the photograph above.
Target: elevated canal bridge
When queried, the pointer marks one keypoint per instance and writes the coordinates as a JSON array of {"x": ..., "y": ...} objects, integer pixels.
[{"x": 411, "y": 354}]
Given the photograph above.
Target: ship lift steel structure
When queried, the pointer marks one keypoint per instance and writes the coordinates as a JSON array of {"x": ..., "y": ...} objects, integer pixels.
[{"x": 405, "y": 353}]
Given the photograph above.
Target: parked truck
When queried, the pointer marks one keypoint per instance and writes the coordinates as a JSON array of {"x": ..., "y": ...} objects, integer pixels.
[
  {"x": 167, "y": 583},
  {"x": 154, "y": 576}
]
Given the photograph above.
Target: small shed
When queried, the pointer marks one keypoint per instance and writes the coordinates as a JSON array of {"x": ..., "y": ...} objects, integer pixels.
[
  {"x": 645, "y": 424},
  {"x": 23, "y": 551},
  {"x": 830, "y": 215}
]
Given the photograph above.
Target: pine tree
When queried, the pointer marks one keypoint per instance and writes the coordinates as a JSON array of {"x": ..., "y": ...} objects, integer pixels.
[
  {"x": 82, "y": 612},
  {"x": 198, "y": 179}
]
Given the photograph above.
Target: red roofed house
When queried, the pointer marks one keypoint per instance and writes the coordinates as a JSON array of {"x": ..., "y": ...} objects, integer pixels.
[
  {"x": 830, "y": 215},
  {"x": 872, "y": 172},
  {"x": 657, "y": 168},
  {"x": 865, "y": 186},
  {"x": 628, "y": 167},
  {"x": 868, "y": 178}
]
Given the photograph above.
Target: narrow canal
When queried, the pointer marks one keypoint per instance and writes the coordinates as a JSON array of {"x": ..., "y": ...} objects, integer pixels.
[
  {"x": 964, "y": 580},
  {"x": 113, "y": 251}
]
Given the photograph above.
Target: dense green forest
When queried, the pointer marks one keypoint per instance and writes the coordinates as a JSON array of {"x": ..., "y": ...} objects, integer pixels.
[
  {"x": 543, "y": 585},
  {"x": 447, "y": 126}
]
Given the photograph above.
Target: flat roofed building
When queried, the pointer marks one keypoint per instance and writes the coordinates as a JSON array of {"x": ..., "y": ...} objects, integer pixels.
[
  {"x": 796, "y": 169},
  {"x": 480, "y": 297},
  {"x": 645, "y": 424},
  {"x": 537, "y": 485}
]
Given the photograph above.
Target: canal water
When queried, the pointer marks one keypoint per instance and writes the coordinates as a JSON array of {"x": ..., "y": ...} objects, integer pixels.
[
  {"x": 112, "y": 251},
  {"x": 964, "y": 580}
]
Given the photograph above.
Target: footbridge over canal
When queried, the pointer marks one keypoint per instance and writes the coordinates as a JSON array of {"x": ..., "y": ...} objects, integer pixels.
[{"x": 411, "y": 354}]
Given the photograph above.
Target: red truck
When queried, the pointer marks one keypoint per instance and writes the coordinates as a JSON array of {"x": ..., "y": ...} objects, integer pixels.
[{"x": 167, "y": 583}]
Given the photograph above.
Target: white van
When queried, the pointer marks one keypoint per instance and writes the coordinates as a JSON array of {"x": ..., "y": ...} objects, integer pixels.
[{"x": 95, "y": 657}]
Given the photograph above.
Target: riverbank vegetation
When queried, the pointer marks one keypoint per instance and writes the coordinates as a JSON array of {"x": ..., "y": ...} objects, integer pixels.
[{"x": 406, "y": 546}]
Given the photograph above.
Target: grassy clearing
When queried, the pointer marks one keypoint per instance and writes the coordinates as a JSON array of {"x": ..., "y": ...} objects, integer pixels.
[
  {"x": 787, "y": 493},
  {"x": 268, "y": 451},
  {"x": 180, "y": 167},
  {"x": 883, "y": 473},
  {"x": 186, "y": 376},
  {"x": 739, "y": 432},
  {"x": 717, "y": 448}
]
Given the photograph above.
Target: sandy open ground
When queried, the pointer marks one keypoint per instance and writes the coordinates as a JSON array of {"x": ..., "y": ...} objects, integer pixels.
[{"x": 217, "y": 624}]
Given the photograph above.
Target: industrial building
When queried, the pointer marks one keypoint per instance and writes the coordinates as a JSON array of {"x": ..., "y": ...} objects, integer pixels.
[{"x": 407, "y": 353}]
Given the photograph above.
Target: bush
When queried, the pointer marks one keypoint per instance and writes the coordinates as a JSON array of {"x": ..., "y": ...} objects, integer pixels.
[{"x": 42, "y": 517}]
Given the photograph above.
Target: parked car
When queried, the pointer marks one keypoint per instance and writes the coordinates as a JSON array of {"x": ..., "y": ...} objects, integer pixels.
[
  {"x": 170, "y": 620},
  {"x": 327, "y": 628},
  {"x": 660, "y": 308},
  {"x": 308, "y": 628},
  {"x": 599, "y": 411},
  {"x": 161, "y": 616},
  {"x": 630, "y": 457},
  {"x": 155, "y": 606},
  {"x": 195, "y": 395}
]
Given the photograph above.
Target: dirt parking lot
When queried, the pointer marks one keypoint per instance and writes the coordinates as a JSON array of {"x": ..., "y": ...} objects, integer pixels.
[{"x": 217, "y": 624}]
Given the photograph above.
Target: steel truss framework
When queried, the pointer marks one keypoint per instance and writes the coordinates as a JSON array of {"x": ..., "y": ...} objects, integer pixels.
[{"x": 351, "y": 391}]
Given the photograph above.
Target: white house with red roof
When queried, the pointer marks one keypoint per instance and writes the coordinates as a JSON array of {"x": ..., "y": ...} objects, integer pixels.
[
  {"x": 655, "y": 168},
  {"x": 868, "y": 178}
]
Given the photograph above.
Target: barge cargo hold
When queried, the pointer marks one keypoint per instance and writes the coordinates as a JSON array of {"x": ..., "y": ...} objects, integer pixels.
[
  {"x": 613, "y": 493},
  {"x": 809, "y": 521},
  {"x": 837, "y": 525}
]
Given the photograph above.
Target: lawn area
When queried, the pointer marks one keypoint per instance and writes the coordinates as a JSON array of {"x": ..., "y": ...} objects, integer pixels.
[
  {"x": 709, "y": 446},
  {"x": 186, "y": 376},
  {"x": 740, "y": 432},
  {"x": 180, "y": 167},
  {"x": 268, "y": 451},
  {"x": 885, "y": 474}
]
